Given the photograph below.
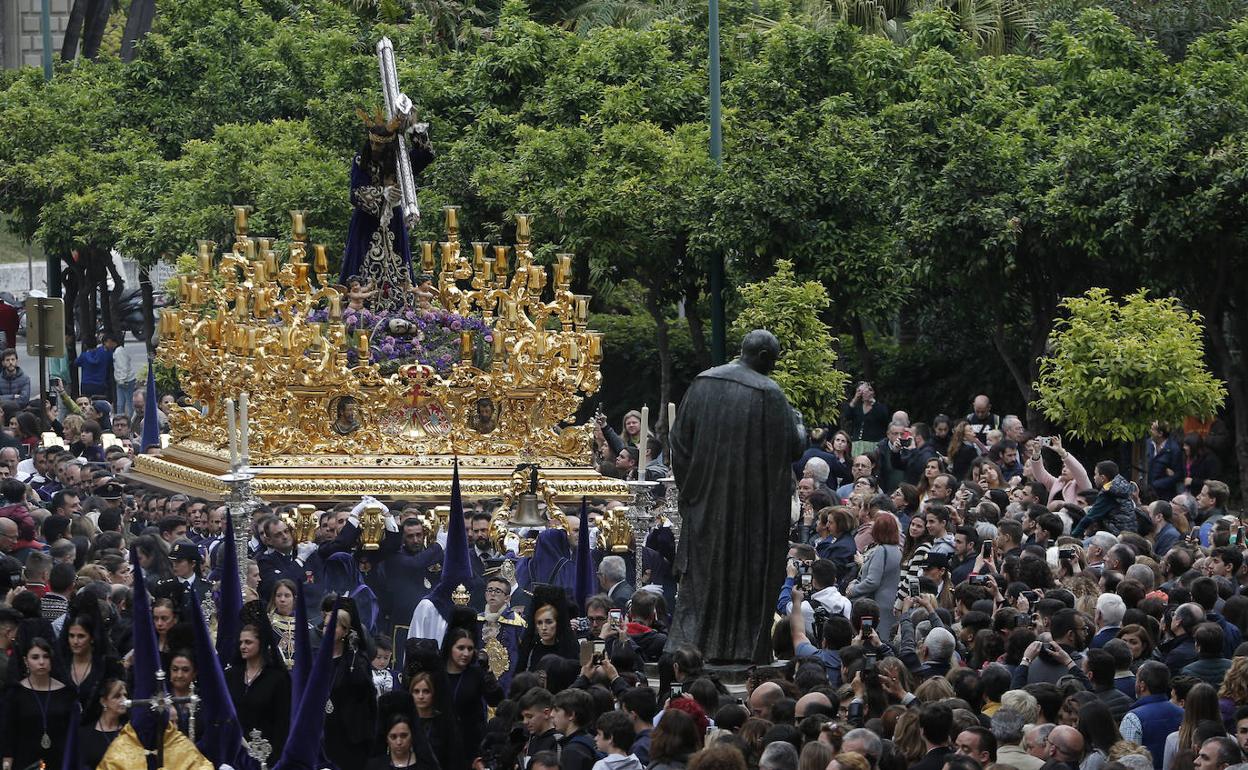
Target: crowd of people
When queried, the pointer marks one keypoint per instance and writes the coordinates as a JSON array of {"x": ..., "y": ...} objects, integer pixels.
[{"x": 960, "y": 594}]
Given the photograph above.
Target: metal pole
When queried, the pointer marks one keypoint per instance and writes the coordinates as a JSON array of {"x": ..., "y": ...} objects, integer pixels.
[
  {"x": 718, "y": 348},
  {"x": 717, "y": 149},
  {"x": 46, "y": 13},
  {"x": 240, "y": 504},
  {"x": 640, "y": 519}
]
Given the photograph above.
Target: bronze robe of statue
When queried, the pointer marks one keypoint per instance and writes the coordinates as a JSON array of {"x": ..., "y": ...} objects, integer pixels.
[{"x": 733, "y": 447}]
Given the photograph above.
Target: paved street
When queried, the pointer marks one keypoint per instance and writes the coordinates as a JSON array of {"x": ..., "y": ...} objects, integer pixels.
[
  {"x": 30, "y": 364},
  {"x": 18, "y": 279}
]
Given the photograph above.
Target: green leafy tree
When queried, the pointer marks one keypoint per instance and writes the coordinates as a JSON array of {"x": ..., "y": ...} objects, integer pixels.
[
  {"x": 607, "y": 148},
  {"x": 811, "y": 171},
  {"x": 1161, "y": 188},
  {"x": 1004, "y": 178},
  {"x": 806, "y": 371},
  {"x": 994, "y": 27},
  {"x": 946, "y": 200},
  {"x": 1114, "y": 368},
  {"x": 1172, "y": 24}
]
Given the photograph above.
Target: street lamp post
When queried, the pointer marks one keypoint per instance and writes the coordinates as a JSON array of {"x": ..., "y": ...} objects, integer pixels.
[
  {"x": 53, "y": 263},
  {"x": 46, "y": 20},
  {"x": 718, "y": 350}
]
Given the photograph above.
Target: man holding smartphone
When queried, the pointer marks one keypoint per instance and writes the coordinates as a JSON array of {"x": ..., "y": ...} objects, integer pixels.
[
  {"x": 1050, "y": 661},
  {"x": 639, "y": 631},
  {"x": 817, "y": 581}
]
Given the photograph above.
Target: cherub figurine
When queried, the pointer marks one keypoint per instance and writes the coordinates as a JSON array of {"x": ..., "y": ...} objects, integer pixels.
[
  {"x": 358, "y": 293},
  {"x": 424, "y": 291}
]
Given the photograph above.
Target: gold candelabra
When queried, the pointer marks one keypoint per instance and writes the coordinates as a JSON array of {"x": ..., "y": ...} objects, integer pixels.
[{"x": 247, "y": 322}]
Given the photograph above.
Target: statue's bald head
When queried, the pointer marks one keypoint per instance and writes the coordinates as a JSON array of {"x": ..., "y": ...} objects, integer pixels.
[{"x": 760, "y": 350}]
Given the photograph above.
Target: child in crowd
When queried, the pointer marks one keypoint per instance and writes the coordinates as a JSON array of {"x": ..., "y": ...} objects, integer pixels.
[{"x": 384, "y": 678}]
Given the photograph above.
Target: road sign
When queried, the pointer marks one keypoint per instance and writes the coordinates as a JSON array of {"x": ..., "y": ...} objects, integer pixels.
[
  {"x": 45, "y": 334},
  {"x": 45, "y": 326}
]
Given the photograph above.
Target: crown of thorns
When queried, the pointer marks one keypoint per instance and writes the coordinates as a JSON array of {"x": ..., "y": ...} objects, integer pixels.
[{"x": 379, "y": 129}]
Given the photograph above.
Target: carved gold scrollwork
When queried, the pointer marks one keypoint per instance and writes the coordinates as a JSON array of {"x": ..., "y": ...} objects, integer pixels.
[{"x": 249, "y": 322}]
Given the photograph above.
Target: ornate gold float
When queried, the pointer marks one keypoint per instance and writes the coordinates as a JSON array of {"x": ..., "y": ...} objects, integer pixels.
[{"x": 325, "y": 423}]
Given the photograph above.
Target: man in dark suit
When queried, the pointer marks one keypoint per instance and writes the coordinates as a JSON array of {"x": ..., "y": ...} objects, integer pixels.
[
  {"x": 1109, "y": 611},
  {"x": 935, "y": 722},
  {"x": 186, "y": 562},
  {"x": 916, "y": 451},
  {"x": 1164, "y": 462},
  {"x": 611, "y": 573}
]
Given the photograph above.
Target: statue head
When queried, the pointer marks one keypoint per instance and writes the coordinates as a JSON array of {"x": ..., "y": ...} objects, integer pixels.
[
  {"x": 760, "y": 350},
  {"x": 381, "y": 132}
]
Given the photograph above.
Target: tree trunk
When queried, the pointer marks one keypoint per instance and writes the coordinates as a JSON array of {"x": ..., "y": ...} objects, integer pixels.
[
  {"x": 98, "y": 269},
  {"x": 82, "y": 296},
  {"x": 97, "y": 23},
  {"x": 1220, "y": 339},
  {"x": 1017, "y": 374},
  {"x": 866, "y": 361},
  {"x": 1043, "y": 308},
  {"x": 93, "y": 308},
  {"x": 1036, "y": 420},
  {"x": 697, "y": 333},
  {"x": 149, "y": 311},
  {"x": 115, "y": 316},
  {"x": 662, "y": 339},
  {"x": 138, "y": 24},
  {"x": 1237, "y": 388},
  {"x": 73, "y": 29},
  {"x": 71, "y": 285}
]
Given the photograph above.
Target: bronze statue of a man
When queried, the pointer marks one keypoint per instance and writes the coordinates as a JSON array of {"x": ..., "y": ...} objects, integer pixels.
[{"x": 733, "y": 447}]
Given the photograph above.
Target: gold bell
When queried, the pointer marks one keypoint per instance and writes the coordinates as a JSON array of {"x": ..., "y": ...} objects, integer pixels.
[{"x": 527, "y": 514}]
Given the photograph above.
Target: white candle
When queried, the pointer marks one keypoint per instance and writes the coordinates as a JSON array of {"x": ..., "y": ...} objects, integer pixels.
[
  {"x": 244, "y": 430},
  {"x": 671, "y": 414},
  {"x": 641, "y": 443},
  {"x": 230, "y": 429}
]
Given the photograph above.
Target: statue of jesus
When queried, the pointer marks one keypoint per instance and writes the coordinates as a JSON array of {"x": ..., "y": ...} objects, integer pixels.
[{"x": 378, "y": 252}]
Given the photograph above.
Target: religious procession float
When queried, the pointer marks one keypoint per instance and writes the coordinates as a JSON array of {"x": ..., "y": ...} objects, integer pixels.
[{"x": 323, "y": 388}]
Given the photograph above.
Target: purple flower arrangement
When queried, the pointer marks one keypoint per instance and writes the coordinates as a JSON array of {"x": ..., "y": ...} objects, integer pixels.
[{"x": 411, "y": 336}]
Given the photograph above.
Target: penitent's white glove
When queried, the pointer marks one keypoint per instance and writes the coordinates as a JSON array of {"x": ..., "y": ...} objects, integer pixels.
[
  {"x": 305, "y": 550},
  {"x": 403, "y": 105},
  {"x": 364, "y": 502}
]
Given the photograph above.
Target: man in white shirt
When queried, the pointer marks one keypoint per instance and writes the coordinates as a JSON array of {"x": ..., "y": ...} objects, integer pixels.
[
  {"x": 125, "y": 374},
  {"x": 821, "y": 591}
]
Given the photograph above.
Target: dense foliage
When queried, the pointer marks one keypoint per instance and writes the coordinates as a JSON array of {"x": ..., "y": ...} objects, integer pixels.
[
  {"x": 947, "y": 200},
  {"x": 806, "y": 370},
  {"x": 1112, "y": 369}
]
